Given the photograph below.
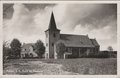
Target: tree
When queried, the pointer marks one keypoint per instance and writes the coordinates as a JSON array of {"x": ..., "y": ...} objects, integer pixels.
[
  {"x": 6, "y": 51},
  {"x": 15, "y": 48},
  {"x": 39, "y": 48},
  {"x": 60, "y": 50},
  {"x": 110, "y": 49}
]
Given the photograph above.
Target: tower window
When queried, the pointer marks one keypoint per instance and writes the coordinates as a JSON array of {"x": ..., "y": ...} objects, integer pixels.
[
  {"x": 52, "y": 44},
  {"x": 54, "y": 35}
]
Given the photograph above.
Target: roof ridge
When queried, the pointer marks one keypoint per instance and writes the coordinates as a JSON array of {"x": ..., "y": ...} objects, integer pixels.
[
  {"x": 28, "y": 43},
  {"x": 73, "y": 35}
]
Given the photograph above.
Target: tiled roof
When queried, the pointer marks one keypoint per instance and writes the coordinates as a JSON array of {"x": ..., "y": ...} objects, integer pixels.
[
  {"x": 76, "y": 40},
  {"x": 27, "y": 45},
  {"x": 95, "y": 43}
]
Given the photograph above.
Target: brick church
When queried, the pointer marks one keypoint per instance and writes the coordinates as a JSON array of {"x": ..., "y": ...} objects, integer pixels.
[{"x": 76, "y": 45}]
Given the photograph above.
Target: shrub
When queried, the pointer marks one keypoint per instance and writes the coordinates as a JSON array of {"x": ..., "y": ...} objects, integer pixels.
[
  {"x": 60, "y": 50},
  {"x": 15, "y": 48},
  {"x": 39, "y": 48}
]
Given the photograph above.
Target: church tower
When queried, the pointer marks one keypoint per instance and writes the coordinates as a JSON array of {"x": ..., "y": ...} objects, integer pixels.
[{"x": 52, "y": 35}]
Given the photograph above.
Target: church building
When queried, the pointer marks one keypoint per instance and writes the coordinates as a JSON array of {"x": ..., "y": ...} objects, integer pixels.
[{"x": 76, "y": 45}]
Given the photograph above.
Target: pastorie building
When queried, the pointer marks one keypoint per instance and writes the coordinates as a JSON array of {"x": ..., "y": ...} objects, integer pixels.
[
  {"x": 76, "y": 45},
  {"x": 27, "y": 50}
]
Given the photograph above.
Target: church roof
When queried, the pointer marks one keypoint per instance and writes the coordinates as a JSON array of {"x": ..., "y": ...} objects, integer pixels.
[
  {"x": 94, "y": 42},
  {"x": 76, "y": 40},
  {"x": 27, "y": 45}
]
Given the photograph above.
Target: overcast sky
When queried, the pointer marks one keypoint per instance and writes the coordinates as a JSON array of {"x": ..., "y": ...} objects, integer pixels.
[{"x": 27, "y": 22}]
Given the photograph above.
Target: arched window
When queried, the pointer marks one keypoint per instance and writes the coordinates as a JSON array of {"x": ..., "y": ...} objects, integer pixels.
[{"x": 52, "y": 44}]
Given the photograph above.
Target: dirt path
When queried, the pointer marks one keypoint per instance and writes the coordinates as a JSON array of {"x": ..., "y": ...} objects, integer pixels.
[
  {"x": 51, "y": 69},
  {"x": 35, "y": 68}
]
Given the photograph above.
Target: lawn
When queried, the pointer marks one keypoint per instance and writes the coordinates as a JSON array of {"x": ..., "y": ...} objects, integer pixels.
[{"x": 87, "y": 66}]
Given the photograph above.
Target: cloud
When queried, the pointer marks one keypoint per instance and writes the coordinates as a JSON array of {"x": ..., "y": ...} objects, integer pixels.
[
  {"x": 97, "y": 20},
  {"x": 104, "y": 36},
  {"x": 41, "y": 6},
  {"x": 28, "y": 22},
  {"x": 94, "y": 15},
  {"x": 25, "y": 24}
]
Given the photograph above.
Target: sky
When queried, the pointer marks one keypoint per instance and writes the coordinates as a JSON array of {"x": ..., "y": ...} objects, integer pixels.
[{"x": 27, "y": 22}]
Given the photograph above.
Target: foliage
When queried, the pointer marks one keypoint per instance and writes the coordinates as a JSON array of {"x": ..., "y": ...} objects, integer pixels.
[
  {"x": 6, "y": 51},
  {"x": 39, "y": 48},
  {"x": 94, "y": 66},
  {"x": 15, "y": 48},
  {"x": 60, "y": 49},
  {"x": 100, "y": 55},
  {"x": 82, "y": 66},
  {"x": 110, "y": 48}
]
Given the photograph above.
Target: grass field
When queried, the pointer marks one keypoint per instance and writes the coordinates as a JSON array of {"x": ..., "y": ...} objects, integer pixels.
[{"x": 88, "y": 66}]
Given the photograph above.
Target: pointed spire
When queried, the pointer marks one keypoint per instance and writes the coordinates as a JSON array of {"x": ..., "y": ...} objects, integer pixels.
[{"x": 52, "y": 24}]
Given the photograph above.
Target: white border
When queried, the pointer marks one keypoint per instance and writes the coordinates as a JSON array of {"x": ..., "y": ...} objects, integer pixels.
[{"x": 63, "y": 76}]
